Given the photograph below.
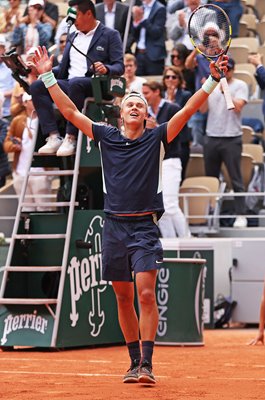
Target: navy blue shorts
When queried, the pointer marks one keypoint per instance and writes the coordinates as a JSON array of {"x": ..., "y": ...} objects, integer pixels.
[{"x": 130, "y": 244}]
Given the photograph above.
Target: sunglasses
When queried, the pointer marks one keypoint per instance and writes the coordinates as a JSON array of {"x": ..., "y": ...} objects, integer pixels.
[
  {"x": 175, "y": 56},
  {"x": 174, "y": 77}
]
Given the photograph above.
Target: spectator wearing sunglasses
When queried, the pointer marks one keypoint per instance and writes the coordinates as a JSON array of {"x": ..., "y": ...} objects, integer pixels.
[
  {"x": 173, "y": 91},
  {"x": 178, "y": 57},
  {"x": 60, "y": 49}
]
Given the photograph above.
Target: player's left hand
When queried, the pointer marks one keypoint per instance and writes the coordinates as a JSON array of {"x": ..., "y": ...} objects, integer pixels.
[{"x": 219, "y": 65}]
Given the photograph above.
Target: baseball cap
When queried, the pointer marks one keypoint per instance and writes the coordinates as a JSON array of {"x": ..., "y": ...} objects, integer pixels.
[
  {"x": 35, "y": 3},
  {"x": 231, "y": 63},
  {"x": 77, "y": 2},
  {"x": 2, "y": 40},
  {"x": 26, "y": 97}
]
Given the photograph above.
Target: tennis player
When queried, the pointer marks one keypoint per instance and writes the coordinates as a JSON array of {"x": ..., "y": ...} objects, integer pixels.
[{"x": 131, "y": 168}]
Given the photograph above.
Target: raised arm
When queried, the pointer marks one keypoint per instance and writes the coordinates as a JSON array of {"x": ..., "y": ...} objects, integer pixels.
[
  {"x": 43, "y": 65},
  {"x": 177, "y": 122}
]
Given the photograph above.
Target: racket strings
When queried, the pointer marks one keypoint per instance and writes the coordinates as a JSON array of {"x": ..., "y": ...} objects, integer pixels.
[{"x": 210, "y": 31}]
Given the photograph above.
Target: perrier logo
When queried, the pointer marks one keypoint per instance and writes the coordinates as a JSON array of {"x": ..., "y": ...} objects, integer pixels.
[{"x": 85, "y": 276}]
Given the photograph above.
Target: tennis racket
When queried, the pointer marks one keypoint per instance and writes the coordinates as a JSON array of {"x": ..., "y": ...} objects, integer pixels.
[{"x": 210, "y": 33}]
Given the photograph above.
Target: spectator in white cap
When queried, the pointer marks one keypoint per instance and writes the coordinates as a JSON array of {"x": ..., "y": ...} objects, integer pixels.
[
  {"x": 32, "y": 32},
  {"x": 20, "y": 140},
  {"x": 6, "y": 80},
  {"x": 9, "y": 18}
]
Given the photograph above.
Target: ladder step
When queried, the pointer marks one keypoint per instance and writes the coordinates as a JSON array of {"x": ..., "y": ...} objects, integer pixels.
[
  {"x": 50, "y": 204},
  {"x": 27, "y": 301},
  {"x": 32, "y": 269},
  {"x": 40, "y": 236},
  {"x": 55, "y": 172}
]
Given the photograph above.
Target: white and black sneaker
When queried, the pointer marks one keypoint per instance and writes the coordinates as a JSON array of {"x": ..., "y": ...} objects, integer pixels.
[{"x": 53, "y": 143}]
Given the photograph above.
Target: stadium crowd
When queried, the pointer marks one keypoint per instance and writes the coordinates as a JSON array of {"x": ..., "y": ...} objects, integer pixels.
[{"x": 152, "y": 50}]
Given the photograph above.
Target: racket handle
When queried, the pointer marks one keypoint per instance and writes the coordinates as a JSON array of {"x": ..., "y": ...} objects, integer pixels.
[{"x": 228, "y": 98}]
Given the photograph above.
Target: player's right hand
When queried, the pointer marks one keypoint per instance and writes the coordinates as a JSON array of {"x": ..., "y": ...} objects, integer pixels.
[{"x": 42, "y": 61}]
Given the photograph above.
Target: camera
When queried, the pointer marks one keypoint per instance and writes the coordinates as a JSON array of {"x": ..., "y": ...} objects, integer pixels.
[
  {"x": 14, "y": 140},
  {"x": 17, "y": 66}
]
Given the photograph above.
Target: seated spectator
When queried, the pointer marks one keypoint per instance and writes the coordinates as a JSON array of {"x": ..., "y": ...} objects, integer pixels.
[
  {"x": 10, "y": 18},
  {"x": 178, "y": 57},
  {"x": 174, "y": 92},
  {"x": 49, "y": 15},
  {"x": 60, "y": 49},
  {"x": 32, "y": 32},
  {"x": 173, "y": 222},
  {"x": 20, "y": 141},
  {"x": 133, "y": 82},
  {"x": 101, "y": 54},
  {"x": 7, "y": 82},
  {"x": 4, "y": 164},
  {"x": 17, "y": 106}
]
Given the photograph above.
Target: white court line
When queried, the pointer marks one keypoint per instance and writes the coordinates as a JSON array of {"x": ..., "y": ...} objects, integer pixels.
[
  {"x": 64, "y": 374},
  {"x": 228, "y": 378},
  {"x": 72, "y": 361}
]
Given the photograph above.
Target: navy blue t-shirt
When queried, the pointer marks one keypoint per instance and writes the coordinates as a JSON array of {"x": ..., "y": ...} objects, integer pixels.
[{"x": 131, "y": 169}]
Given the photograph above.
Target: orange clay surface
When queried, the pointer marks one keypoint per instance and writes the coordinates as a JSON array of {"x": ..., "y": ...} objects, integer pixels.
[{"x": 224, "y": 368}]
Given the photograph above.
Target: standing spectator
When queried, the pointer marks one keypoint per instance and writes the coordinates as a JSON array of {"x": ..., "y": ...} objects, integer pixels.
[
  {"x": 234, "y": 10},
  {"x": 32, "y": 32},
  {"x": 20, "y": 140},
  {"x": 178, "y": 57},
  {"x": 223, "y": 140},
  {"x": 6, "y": 81},
  {"x": 4, "y": 164},
  {"x": 150, "y": 35},
  {"x": 256, "y": 60},
  {"x": 101, "y": 53},
  {"x": 114, "y": 15},
  {"x": 133, "y": 82},
  {"x": 173, "y": 222},
  {"x": 174, "y": 92},
  {"x": 50, "y": 15}
]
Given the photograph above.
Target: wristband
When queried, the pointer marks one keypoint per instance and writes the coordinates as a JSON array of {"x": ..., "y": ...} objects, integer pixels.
[
  {"x": 48, "y": 79},
  {"x": 209, "y": 85}
]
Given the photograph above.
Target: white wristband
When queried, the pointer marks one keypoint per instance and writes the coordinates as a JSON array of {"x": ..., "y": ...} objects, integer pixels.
[
  {"x": 48, "y": 79},
  {"x": 209, "y": 85}
]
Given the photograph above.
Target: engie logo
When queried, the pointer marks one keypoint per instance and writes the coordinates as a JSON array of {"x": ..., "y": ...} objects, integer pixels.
[
  {"x": 18, "y": 322},
  {"x": 162, "y": 300},
  {"x": 85, "y": 275}
]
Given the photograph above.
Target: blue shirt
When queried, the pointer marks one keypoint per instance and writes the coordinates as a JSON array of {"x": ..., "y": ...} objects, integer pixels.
[{"x": 131, "y": 169}]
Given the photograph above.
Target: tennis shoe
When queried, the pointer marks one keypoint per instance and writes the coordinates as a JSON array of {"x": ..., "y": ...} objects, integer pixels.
[
  {"x": 145, "y": 373},
  {"x": 68, "y": 146},
  {"x": 131, "y": 375},
  {"x": 240, "y": 222},
  {"x": 53, "y": 142}
]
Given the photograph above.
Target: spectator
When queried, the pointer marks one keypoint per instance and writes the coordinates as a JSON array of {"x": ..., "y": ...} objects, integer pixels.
[
  {"x": 101, "y": 53},
  {"x": 174, "y": 92},
  {"x": 20, "y": 141},
  {"x": 17, "y": 106},
  {"x": 114, "y": 15},
  {"x": 178, "y": 57},
  {"x": 49, "y": 15},
  {"x": 177, "y": 29},
  {"x": 234, "y": 10},
  {"x": 223, "y": 140},
  {"x": 256, "y": 60},
  {"x": 10, "y": 17},
  {"x": 60, "y": 49},
  {"x": 6, "y": 81},
  {"x": 63, "y": 28},
  {"x": 133, "y": 82},
  {"x": 32, "y": 32},
  {"x": 150, "y": 35},
  {"x": 172, "y": 223},
  {"x": 4, "y": 164}
]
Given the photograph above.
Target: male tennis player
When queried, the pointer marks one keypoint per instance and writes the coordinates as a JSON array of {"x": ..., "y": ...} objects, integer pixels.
[{"x": 131, "y": 167}]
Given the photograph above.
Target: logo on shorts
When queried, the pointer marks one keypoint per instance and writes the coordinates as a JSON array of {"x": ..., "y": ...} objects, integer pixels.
[{"x": 85, "y": 276}]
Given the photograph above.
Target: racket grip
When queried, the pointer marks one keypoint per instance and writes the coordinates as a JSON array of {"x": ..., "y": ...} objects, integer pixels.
[{"x": 228, "y": 98}]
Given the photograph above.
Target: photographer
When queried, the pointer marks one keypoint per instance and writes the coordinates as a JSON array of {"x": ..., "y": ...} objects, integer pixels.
[
  {"x": 32, "y": 32},
  {"x": 101, "y": 54}
]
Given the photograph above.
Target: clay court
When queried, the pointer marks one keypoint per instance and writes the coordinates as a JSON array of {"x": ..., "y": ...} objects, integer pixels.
[{"x": 224, "y": 368}]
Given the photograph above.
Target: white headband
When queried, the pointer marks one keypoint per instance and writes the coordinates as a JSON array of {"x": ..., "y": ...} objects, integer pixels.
[{"x": 134, "y": 94}]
